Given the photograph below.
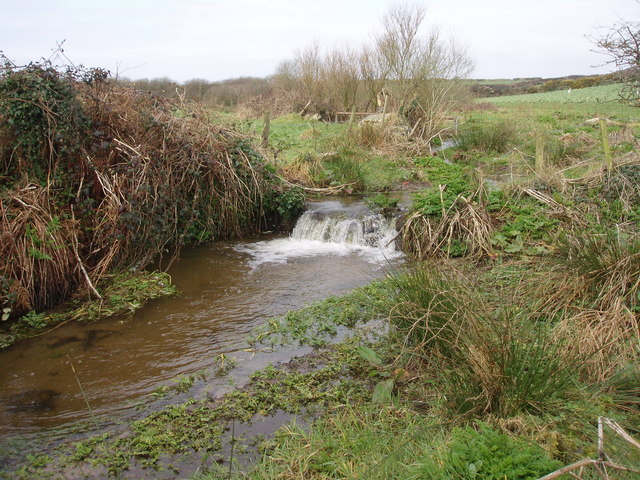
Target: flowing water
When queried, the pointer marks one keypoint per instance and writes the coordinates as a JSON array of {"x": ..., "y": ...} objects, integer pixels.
[{"x": 227, "y": 289}]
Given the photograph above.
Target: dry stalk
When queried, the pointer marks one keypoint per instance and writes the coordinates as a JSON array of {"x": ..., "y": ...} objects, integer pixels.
[{"x": 464, "y": 220}]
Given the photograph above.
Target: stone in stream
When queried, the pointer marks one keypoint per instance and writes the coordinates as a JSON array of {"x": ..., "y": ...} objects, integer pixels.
[
  {"x": 63, "y": 341},
  {"x": 36, "y": 399}
]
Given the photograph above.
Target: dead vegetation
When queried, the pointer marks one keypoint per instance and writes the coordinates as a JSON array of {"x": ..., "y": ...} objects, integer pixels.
[{"x": 97, "y": 176}]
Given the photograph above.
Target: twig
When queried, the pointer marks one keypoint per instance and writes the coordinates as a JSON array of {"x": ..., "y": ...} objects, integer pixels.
[
  {"x": 621, "y": 431},
  {"x": 84, "y": 395},
  {"x": 601, "y": 464},
  {"x": 601, "y": 454},
  {"x": 77, "y": 255},
  {"x": 574, "y": 466}
]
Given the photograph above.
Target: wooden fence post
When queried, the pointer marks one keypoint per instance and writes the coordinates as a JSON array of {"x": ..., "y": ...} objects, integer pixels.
[
  {"x": 605, "y": 144},
  {"x": 539, "y": 153},
  {"x": 266, "y": 128},
  {"x": 352, "y": 118},
  {"x": 384, "y": 108}
]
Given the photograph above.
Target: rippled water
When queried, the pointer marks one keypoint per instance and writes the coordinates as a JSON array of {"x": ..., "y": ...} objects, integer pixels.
[{"x": 227, "y": 289}]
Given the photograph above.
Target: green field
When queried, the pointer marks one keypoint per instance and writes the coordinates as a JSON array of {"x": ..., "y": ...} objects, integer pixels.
[{"x": 600, "y": 94}]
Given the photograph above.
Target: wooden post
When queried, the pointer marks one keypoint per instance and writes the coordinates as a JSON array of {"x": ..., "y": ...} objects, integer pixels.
[
  {"x": 352, "y": 118},
  {"x": 266, "y": 128},
  {"x": 384, "y": 108},
  {"x": 605, "y": 144},
  {"x": 539, "y": 153}
]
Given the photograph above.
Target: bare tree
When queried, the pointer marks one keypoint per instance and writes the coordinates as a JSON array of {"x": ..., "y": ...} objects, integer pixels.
[
  {"x": 371, "y": 76},
  {"x": 400, "y": 51},
  {"x": 622, "y": 45},
  {"x": 309, "y": 70},
  {"x": 423, "y": 73},
  {"x": 285, "y": 76},
  {"x": 341, "y": 77}
]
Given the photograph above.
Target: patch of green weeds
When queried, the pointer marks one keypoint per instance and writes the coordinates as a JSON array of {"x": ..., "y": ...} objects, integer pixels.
[
  {"x": 381, "y": 203},
  {"x": 527, "y": 229},
  {"x": 198, "y": 425},
  {"x": 487, "y": 454},
  {"x": 124, "y": 293},
  {"x": 314, "y": 324},
  {"x": 180, "y": 384},
  {"x": 453, "y": 179}
]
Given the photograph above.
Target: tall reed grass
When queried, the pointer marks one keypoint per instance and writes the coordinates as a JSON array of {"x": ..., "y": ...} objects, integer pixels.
[{"x": 486, "y": 359}]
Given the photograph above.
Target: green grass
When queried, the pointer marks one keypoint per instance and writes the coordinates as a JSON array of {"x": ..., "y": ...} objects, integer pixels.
[
  {"x": 292, "y": 136},
  {"x": 599, "y": 94},
  {"x": 371, "y": 441}
]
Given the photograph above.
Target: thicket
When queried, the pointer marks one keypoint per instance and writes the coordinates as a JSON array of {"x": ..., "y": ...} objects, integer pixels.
[
  {"x": 95, "y": 176},
  {"x": 406, "y": 70}
]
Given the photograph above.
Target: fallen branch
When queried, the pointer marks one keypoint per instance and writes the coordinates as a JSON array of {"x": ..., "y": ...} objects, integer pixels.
[{"x": 80, "y": 264}]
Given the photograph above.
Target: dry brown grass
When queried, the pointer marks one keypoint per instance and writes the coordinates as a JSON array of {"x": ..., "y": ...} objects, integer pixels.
[
  {"x": 36, "y": 249},
  {"x": 153, "y": 174},
  {"x": 607, "y": 339},
  {"x": 466, "y": 221}
]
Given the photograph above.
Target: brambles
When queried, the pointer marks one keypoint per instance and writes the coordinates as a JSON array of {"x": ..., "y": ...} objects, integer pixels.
[
  {"x": 97, "y": 176},
  {"x": 44, "y": 114}
]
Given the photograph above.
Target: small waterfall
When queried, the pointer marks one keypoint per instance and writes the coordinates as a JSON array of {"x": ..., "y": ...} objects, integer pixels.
[
  {"x": 331, "y": 228},
  {"x": 373, "y": 230}
]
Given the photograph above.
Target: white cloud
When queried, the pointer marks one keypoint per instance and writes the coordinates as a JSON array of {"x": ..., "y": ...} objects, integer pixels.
[{"x": 218, "y": 39}]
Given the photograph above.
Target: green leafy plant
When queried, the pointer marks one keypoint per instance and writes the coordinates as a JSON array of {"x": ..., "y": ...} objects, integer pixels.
[
  {"x": 381, "y": 202},
  {"x": 527, "y": 229},
  {"x": 34, "y": 319},
  {"x": 482, "y": 453}
]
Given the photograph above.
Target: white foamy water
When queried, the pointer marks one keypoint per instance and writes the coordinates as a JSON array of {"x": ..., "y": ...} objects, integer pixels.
[{"x": 328, "y": 228}]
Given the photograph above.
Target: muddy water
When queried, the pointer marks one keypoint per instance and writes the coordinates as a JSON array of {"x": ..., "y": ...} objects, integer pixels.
[{"x": 227, "y": 289}]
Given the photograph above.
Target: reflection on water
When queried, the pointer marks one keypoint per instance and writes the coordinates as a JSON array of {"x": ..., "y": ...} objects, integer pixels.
[{"x": 225, "y": 291}]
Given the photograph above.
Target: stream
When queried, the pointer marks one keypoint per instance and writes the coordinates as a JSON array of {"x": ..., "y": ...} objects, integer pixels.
[{"x": 226, "y": 290}]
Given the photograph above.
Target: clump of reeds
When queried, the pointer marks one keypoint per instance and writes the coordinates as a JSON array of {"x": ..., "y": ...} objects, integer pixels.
[
  {"x": 463, "y": 227},
  {"x": 496, "y": 137},
  {"x": 594, "y": 289},
  {"x": 485, "y": 359},
  {"x": 607, "y": 265}
]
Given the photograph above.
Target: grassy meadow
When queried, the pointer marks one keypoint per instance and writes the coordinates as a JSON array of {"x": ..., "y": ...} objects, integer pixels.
[{"x": 599, "y": 94}]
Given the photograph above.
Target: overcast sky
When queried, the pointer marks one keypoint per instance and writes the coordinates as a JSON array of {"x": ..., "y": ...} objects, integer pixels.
[{"x": 219, "y": 39}]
